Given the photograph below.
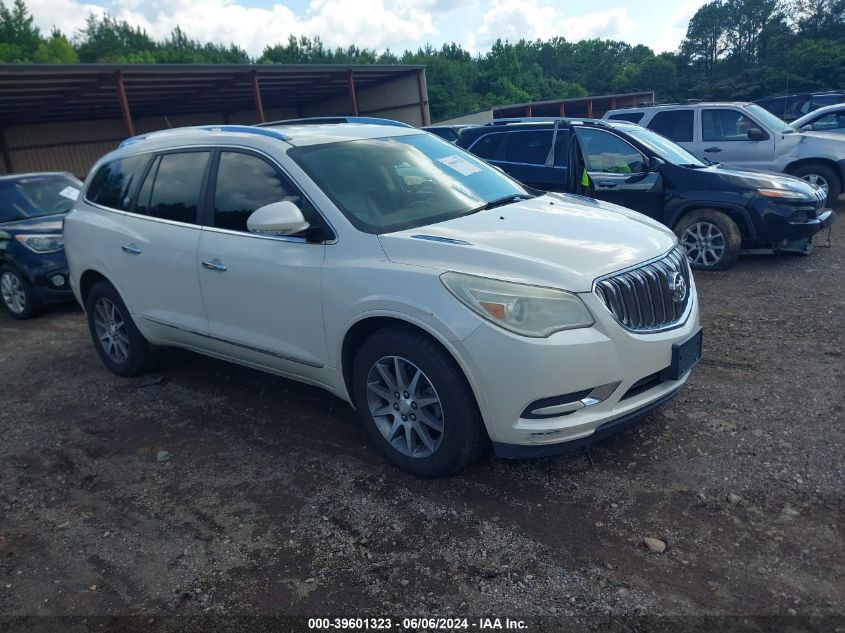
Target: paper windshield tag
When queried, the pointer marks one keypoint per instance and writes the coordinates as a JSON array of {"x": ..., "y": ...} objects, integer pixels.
[
  {"x": 71, "y": 193},
  {"x": 460, "y": 165}
]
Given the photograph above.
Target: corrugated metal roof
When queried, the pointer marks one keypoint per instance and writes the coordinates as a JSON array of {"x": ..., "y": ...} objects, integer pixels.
[{"x": 73, "y": 92}]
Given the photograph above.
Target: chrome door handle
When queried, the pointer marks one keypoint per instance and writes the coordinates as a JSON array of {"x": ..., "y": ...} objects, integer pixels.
[
  {"x": 131, "y": 249},
  {"x": 713, "y": 149},
  {"x": 215, "y": 264},
  {"x": 605, "y": 184}
]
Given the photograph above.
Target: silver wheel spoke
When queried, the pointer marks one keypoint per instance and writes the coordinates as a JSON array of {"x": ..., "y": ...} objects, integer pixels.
[{"x": 405, "y": 406}]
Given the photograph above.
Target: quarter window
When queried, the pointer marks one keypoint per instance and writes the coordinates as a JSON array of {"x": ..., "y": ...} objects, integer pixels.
[
  {"x": 112, "y": 185},
  {"x": 725, "y": 125},
  {"x": 676, "y": 125},
  {"x": 246, "y": 183},
  {"x": 173, "y": 187},
  {"x": 607, "y": 153}
]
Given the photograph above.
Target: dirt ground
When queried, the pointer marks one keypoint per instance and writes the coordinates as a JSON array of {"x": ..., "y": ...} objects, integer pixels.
[{"x": 209, "y": 491}]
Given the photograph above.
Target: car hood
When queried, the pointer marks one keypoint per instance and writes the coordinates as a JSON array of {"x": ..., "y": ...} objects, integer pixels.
[
  {"x": 763, "y": 179},
  {"x": 41, "y": 224},
  {"x": 557, "y": 240}
]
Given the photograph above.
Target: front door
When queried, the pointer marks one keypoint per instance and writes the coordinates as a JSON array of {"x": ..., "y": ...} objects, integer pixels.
[
  {"x": 726, "y": 137},
  {"x": 619, "y": 173},
  {"x": 262, "y": 292}
]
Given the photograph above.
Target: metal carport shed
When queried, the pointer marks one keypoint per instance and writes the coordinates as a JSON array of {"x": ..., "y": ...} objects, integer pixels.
[{"x": 64, "y": 117}]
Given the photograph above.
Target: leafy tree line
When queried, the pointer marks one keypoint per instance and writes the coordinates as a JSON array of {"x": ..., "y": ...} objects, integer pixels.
[{"x": 733, "y": 49}]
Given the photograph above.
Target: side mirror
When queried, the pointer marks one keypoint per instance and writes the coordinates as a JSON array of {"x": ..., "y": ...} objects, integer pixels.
[
  {"x": 756, "y": 134},
  {"x": 279, "y": 217}
]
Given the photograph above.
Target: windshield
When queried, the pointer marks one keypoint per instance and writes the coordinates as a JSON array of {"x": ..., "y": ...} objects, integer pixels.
[
  {"x": 663, "y": 147},
  {"x": 34, "y": 196},
  {"x": 392, "y": 184},
  {"x": 778, "y": 126}
]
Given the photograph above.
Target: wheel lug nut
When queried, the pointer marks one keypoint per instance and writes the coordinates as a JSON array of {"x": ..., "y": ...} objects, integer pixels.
[
  {"x": 413, "y": 405},
  {"x": 413, "y": 417},
  {"x": 396, "y": 394},
  {"x": 406, "y": 395},
  {"x": 396, "y": 405},
  {"x": 404, "y": 418}
]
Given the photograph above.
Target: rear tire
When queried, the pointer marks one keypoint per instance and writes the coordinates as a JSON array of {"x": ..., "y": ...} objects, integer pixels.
[
  {"x": 122, "y": 348},
  {"x": 711, "y": 239},
  {"x": 433, "y": 427},
  {"x": 16, "y": 295},
  {"x": 821, "y": 175}
]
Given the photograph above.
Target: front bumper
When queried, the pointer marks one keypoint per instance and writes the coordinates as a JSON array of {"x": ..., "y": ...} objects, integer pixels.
[
  {"x": 511, "y": 373},
  {"x": 808, "y": 228}
]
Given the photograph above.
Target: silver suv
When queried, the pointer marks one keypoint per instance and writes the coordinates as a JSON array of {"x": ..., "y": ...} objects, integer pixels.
[{"x": 746, "y": 136}]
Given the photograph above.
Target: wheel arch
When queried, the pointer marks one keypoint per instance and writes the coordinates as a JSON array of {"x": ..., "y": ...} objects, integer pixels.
[
  {"x": 368, "y": 324},
  {"x": 795, "y": 165},
  {"x": 735, "y": 212}
]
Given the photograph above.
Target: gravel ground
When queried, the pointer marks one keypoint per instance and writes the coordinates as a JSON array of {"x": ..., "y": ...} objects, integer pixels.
[{"x": 211, "y": 491}]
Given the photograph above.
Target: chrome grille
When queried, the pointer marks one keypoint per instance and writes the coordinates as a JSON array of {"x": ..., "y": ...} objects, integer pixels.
[{"x": 641, "y": 298}]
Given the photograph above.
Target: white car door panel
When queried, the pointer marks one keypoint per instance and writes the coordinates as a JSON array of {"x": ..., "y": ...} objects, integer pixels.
[
  {"x": 262, "y": 292},
  {"x": 725, "y": 139}
]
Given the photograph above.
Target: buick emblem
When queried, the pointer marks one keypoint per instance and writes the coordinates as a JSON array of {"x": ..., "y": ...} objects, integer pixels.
[{"x": 677, "y": 286}]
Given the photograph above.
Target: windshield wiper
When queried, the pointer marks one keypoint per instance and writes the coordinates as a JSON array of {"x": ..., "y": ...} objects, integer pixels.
[{"x": 498, "y": 202}]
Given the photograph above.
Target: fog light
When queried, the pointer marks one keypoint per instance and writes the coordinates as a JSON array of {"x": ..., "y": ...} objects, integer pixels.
[{"x": 57, "y": 280}]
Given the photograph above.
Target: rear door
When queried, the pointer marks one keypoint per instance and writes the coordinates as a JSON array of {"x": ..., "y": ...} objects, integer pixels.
[
  {"x": 618, "y": 172},
  {"x": 525, "y": 155},
  {"x": 725, "y": 139},
  {"x": 156, "y": 268},
  {"x": 676, "y": 125}
]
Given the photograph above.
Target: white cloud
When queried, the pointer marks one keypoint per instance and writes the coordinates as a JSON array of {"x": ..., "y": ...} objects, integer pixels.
[
  {"x": 515, "y": 19},
  {"x": 367, "y": 23},
  {"x": 668, "y": 39}
]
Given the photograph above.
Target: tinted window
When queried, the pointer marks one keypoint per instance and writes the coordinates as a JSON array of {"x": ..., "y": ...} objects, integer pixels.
[
  {"x": 488, "y": 146},
  {"x": 443, "y": 132},
  {"x": 34, "y": 196},
  {"x": 112, "y": 184},
  {"x": 607, "y": 153},
  {"x": 674, "y": 124},
  {"x": 725, "y": 125},
  {"x": 826, "y": 100},
  {"x": 530, "y": 148},
  {"x": 633, "y": 117},
  {"x": 246, "y": 183},
  {"x": 173, "y": 187}
]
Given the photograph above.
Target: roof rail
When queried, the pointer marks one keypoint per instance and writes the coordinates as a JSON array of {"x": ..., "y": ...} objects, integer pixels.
[
  {"x": 241, "y": 129},
  {"x": 545, "y": 119},
  {"x": 332, "y": 120}
]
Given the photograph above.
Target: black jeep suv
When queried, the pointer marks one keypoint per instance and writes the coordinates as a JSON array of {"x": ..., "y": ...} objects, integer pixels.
[{"x": 716, "y": 212}]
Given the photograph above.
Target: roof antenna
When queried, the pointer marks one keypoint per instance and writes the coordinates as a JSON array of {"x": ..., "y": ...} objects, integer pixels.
[{"x": 166, "y": 120}]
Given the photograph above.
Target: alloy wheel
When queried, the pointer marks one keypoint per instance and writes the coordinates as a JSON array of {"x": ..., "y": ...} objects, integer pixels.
[
  {"x": 405, "y": 406},
  {"x": 14, "y": 295},
  {"x": 704, "y": 243},
  {"x": 818, "y": 180},
  {"x": 111, "y": 330}
]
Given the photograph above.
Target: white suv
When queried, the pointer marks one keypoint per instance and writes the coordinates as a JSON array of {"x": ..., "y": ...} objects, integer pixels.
[
  {"x": 746, "y": 136},
  {"x": 448, "y": 303}
]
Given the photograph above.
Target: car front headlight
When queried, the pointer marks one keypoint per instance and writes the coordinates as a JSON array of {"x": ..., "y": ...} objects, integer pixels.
[
  {"x": 528, "y": 310},
  {"x": 42, "y": 243},
  {"x": 783, "y": 194}
]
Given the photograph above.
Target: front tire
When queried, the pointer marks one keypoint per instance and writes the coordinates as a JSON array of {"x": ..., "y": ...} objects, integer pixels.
[
  {"x": 415, "y": 403},
  {"x": 711, "y": 239},
  {"x": 16, "y": 295},
  {"x": 822, "y": 176},
  {"x": 122, "y": 348}
]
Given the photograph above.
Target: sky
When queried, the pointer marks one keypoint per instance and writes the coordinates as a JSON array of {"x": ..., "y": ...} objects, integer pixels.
[{"x": 385, "y": 24}]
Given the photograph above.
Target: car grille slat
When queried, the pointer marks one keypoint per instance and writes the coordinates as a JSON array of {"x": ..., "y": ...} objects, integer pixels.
[{"x": 645, "y": 298}]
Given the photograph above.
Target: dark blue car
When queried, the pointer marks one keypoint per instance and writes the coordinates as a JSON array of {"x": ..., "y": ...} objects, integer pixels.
[{"x": 33, "y": 268}]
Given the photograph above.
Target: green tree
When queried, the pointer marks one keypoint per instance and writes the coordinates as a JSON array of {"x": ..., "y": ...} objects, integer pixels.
[
  {"x": 19, "y": 37},
  {"x": 56, "y": 50}
]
